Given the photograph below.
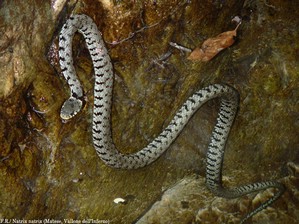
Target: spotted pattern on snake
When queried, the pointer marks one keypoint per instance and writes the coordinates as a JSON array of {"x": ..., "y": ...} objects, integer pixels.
[{"x": 101, "y": 127}]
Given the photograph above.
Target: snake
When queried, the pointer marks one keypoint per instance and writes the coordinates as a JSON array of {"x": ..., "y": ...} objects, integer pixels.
[{"x": 101, "y": 122}]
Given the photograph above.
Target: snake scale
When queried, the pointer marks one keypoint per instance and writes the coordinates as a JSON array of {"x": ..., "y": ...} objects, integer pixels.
[{"x": 101, "y": 127}]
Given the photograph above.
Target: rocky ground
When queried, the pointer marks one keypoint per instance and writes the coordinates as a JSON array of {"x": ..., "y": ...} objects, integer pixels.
[{"x": 49, "y": 169}]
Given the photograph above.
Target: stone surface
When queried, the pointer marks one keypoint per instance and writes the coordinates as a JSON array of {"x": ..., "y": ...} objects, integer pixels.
[
  {"x": 49, "y": 169},
  {"x": 179, "y": 203}
]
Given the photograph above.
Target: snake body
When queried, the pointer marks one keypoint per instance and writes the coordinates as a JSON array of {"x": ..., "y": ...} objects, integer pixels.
[{"x": 101, "y": 127}]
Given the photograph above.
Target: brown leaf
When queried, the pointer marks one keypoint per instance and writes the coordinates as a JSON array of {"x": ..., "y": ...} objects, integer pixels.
[{"x": 212, "y": 46}]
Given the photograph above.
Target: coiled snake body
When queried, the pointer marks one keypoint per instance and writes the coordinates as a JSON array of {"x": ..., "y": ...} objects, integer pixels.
[{"x": 101, "y": 127}]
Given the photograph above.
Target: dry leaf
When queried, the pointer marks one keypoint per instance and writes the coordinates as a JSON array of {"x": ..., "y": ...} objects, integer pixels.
[{"x": 212, "y": 46}]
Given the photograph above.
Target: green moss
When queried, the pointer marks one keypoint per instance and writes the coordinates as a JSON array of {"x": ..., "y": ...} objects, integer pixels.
[{"x": 50, "y": 169}]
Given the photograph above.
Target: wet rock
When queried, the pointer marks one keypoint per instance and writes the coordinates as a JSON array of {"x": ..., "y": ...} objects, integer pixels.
[
  {"x": 49, "y": 169},
  {"x": 189, "y": 201}
]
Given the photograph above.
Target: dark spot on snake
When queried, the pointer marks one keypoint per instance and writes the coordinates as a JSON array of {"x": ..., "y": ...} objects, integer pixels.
[
  {"x": 153, "y": 145},
  {"x": 98, "y": 97},
  {"x": 97, "y": 122},
  {"x": 225, "y": 111},
  {"x": 62, "y": 38},
  {"x": 108, "y": 70},
  {"x": 94, "y": 54},
  {"x": 212, "y": 160},
  {"x": 98, "y": 146},
  {"x": 96, "y": 130},
  {"x": 142, "y": 153},
  {"x": 100, "y": 83},
  {"x": 186, "y": 107},
  {"x": 136, "y": 156},
  {"x": 106, "y": 159},
  {"x": 179, "y": 116},
  {"x": 198, "y": 94},
  {"x": 174, "y": 123},
  {"x": 210, "y": 171},
  {"x": 216, "y": 139},
  {"x": 102, "y": 153},
  {"x": 98, "y": 105},
  {"x": 221, "y": 119},
  {"x": 224, "y": 116},
  {"x": 90, "y": 43},
  {"x": 220, "y": 127},
  {"x": 99, "y": 74},
  {"x": 218, "y": 133},
  {"x": 157, "y": 140},
  {"x": 75, "y": 95},
  {"x": 99, "y": 67},
  {"x": 97, "y": 139},
  {"x": 84, "y": 30},
  {"x": 191, "y": 100},
  {"x": 98, "y": 90},
  {"x": 61, "y": 58},
  {"x": 97, "y": 60}
]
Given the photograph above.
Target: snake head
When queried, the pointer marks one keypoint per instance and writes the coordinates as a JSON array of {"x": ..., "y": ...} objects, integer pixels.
[{"x": 70, "y": 108}]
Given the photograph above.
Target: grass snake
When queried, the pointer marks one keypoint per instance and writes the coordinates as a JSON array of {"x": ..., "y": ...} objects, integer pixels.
[{"x": 101, "y": 126}]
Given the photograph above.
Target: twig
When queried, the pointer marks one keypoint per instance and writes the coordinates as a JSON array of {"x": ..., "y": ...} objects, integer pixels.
[
  {"x": 131, "y": 35},
  {"x": 179, "y": 47}
]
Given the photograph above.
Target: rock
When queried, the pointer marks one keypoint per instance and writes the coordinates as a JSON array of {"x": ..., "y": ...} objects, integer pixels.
[{"x": 49, "y": 169}]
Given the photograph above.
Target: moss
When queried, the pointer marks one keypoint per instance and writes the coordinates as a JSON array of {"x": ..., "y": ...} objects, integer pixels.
[{"x": 49, "y": 169}]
